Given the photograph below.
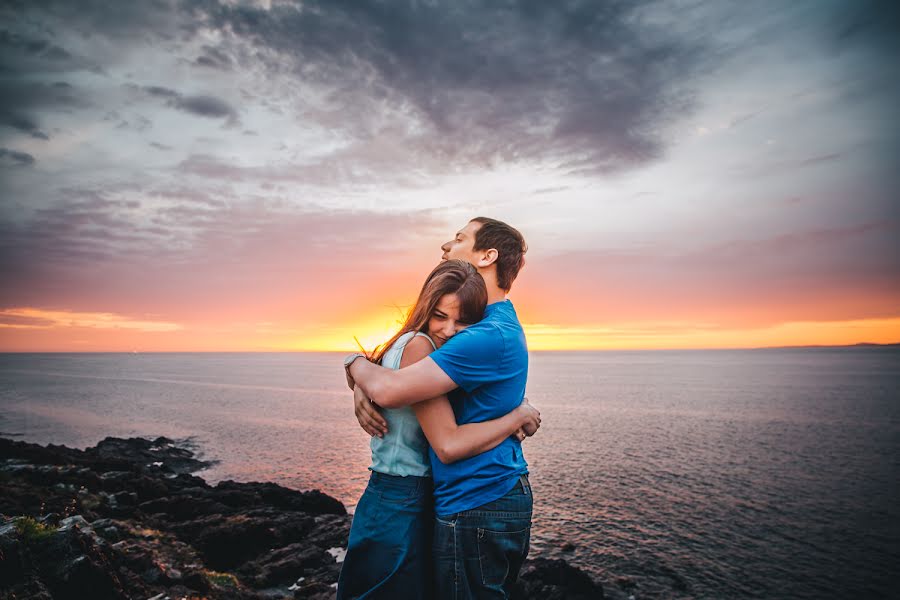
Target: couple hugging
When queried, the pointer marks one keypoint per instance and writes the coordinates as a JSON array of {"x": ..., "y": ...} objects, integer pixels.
[{"x": 447, "y": 510}]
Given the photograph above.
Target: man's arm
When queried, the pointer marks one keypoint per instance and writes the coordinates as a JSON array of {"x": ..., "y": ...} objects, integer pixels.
[
  {"x": 408, "y": 385},
  {"x": 452, "y": 442}
]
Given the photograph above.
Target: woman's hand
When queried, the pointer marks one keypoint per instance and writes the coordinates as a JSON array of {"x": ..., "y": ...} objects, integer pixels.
[
  {"x": 532, "y": 417},
  {"x": 368, "y": 415}
]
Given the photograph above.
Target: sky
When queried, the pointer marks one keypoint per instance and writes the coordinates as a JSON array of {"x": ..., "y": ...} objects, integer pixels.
[{"x": 213, "y": 175}]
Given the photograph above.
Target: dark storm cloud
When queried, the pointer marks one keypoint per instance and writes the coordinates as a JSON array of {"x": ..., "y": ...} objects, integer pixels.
[
  {"x": 587, "y": 82},
  {"x": 22, "y": 53},
  {"x": 161, "y": 92},
  {"x": 22, "y": 123},
  {"x": 589, "y": 86},
  {"x": 12, "y": 158},
  {"x": 872, "y": 23},
  {"x": 201, "y": 105},
  {"x": 214, "y": 58},
  {"x": 206, "y": 106},
  {"x": 122, "y": 21},
  {"x": 19, "y": 99}
]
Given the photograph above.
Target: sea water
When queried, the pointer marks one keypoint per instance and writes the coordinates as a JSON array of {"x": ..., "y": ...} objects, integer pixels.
[{"x": 668, "y": 474}]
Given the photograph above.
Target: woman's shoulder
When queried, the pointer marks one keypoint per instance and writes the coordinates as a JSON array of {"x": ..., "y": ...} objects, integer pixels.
[
  {"x": 420, "y": 341},
  {"x": 427, "y": 338},
  {"x": 401, "y": 341},
  {"x": 416, "y": 349}
]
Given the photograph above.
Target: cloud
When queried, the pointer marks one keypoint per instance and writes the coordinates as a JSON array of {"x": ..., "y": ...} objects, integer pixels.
[
  {"x": 206, "y": 106},
  {"x": 23, "y": 53},
  {"x": 22, "y": 123},
  {"x": 19, "y": 99},
  {"x": 12, "y": 158},
  {"x": 589, "y": 84},
  {"x": 766, "y": 168},
  {"x": 162, "y": 92},
  {"x": 380, "y": 160},
  {"x": 588, "y": 87},
  {"x": 200, "y": 105},
  {"x": 846, "y": 272},
  {"x": 214, "y": 58},
  {"x": 37, "y": 318},
  {"x": 95, "y": 250}
]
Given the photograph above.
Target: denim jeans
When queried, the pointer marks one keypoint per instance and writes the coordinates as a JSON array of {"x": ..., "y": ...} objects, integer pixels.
[
  {"x": 478, "y": 553},
  {"x": 388, "y": 553}
]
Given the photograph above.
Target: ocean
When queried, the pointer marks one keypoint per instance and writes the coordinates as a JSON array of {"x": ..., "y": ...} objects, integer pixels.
[{"x": 668, "y": 474}]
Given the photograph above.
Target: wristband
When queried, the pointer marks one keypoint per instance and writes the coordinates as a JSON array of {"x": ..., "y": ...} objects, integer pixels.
[{"x": 349, "y": 361}]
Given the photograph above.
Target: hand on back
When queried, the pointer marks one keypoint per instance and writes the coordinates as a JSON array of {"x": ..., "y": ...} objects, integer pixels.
[{"x": 532, "y": 420}]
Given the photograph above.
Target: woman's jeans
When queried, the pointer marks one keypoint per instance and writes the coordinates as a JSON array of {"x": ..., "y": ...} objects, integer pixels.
[
  {"x": 389, "y": 551},
  {"x": 478, "y": 553}
]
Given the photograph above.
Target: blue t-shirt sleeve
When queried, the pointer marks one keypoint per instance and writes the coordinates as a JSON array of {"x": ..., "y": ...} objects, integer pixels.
[{"x": 472, "y": 357}]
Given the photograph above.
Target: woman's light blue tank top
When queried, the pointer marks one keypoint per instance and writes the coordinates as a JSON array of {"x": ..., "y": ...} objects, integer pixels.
[{"x": 403, "y": 450}]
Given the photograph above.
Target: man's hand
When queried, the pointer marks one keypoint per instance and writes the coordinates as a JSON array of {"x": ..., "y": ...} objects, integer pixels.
[
  {"x": 368, "y": 415},
  {"x": 532, "y": 420}
]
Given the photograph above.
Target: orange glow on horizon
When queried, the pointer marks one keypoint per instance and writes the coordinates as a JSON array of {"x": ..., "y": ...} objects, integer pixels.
[
  {"x": 34, "y": 330},
  {"x": 649, "y": 336}
]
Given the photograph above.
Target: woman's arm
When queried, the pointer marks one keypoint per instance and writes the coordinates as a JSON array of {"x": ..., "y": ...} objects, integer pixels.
[{"x": 452, "y": 442}]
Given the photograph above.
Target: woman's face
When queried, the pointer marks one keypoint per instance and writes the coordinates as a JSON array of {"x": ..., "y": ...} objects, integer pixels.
[{"x": 444, "y": 322}]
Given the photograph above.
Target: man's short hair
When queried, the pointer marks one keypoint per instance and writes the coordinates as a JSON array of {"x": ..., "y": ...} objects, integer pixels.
[{"x": 510, "y": 246}]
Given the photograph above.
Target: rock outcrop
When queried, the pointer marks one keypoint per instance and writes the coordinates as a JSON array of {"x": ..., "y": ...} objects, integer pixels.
[{"x": 126, "y": 519}]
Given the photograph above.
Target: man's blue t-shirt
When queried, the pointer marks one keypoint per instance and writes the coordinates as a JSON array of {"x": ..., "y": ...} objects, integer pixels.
[{"x": 489, "y": 363}]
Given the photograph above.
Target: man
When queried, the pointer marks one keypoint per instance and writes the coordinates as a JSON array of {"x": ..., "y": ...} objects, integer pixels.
[{"x": 483, "y": 504}]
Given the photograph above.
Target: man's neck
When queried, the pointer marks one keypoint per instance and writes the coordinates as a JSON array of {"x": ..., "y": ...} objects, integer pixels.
[
  {"x": 495, "y": 295},
  {"x": 494, "y": 292}
]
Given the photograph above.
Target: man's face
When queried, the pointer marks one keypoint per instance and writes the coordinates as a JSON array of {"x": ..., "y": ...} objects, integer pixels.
[{"x": 462, "y": 245}]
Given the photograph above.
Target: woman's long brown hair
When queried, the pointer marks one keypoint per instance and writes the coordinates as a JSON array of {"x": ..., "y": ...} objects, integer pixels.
[{"x": 450, "y": 277}]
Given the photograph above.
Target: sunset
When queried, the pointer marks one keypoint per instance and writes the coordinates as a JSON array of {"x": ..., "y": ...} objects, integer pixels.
[{"x": 449, "y": 299}]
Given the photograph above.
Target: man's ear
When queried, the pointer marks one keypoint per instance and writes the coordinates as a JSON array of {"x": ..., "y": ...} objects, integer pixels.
[{"x": 488, "y": 257}]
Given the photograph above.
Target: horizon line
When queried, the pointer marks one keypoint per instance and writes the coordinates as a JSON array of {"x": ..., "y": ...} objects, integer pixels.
[{"x": 790, "y": 347}]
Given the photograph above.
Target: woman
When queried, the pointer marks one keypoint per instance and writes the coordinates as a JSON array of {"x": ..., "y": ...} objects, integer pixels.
[{"x": 389, "y": 550}]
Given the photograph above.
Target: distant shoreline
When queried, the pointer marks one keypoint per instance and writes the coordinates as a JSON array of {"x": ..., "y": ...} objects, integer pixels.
[{"x": 341, "y": 352}]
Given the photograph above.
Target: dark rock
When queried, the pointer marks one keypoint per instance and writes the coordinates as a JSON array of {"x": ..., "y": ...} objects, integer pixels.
[
  {"x": 197, "y": 581},
  {"x": 313, "y": 502},
  {"x": 226, "y": 541},
  {"x": 555, "y": 579},
  {"x": 283, "y": 566},
  {"x": 89, "y": 577},
  {"x": 125, "y": 498},
  {"x": 314, "y": 591},
  {"x": 145, "y": 452},
  {"x": 12, "y": 563},
  {"x": 70, "y": 562},
  {"x": 567, "y": 547},
  {"x": 182, "y": 507},
  {"x": 109, "y": 524}
]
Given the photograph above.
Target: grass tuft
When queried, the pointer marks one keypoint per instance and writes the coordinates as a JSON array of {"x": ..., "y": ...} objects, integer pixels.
[
  {"x": 225, "y": 580},
  {"x": 31, "y": 530}
]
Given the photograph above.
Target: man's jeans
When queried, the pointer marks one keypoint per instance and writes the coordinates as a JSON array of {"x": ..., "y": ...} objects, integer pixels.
[{"x": 478, "y": 553}]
